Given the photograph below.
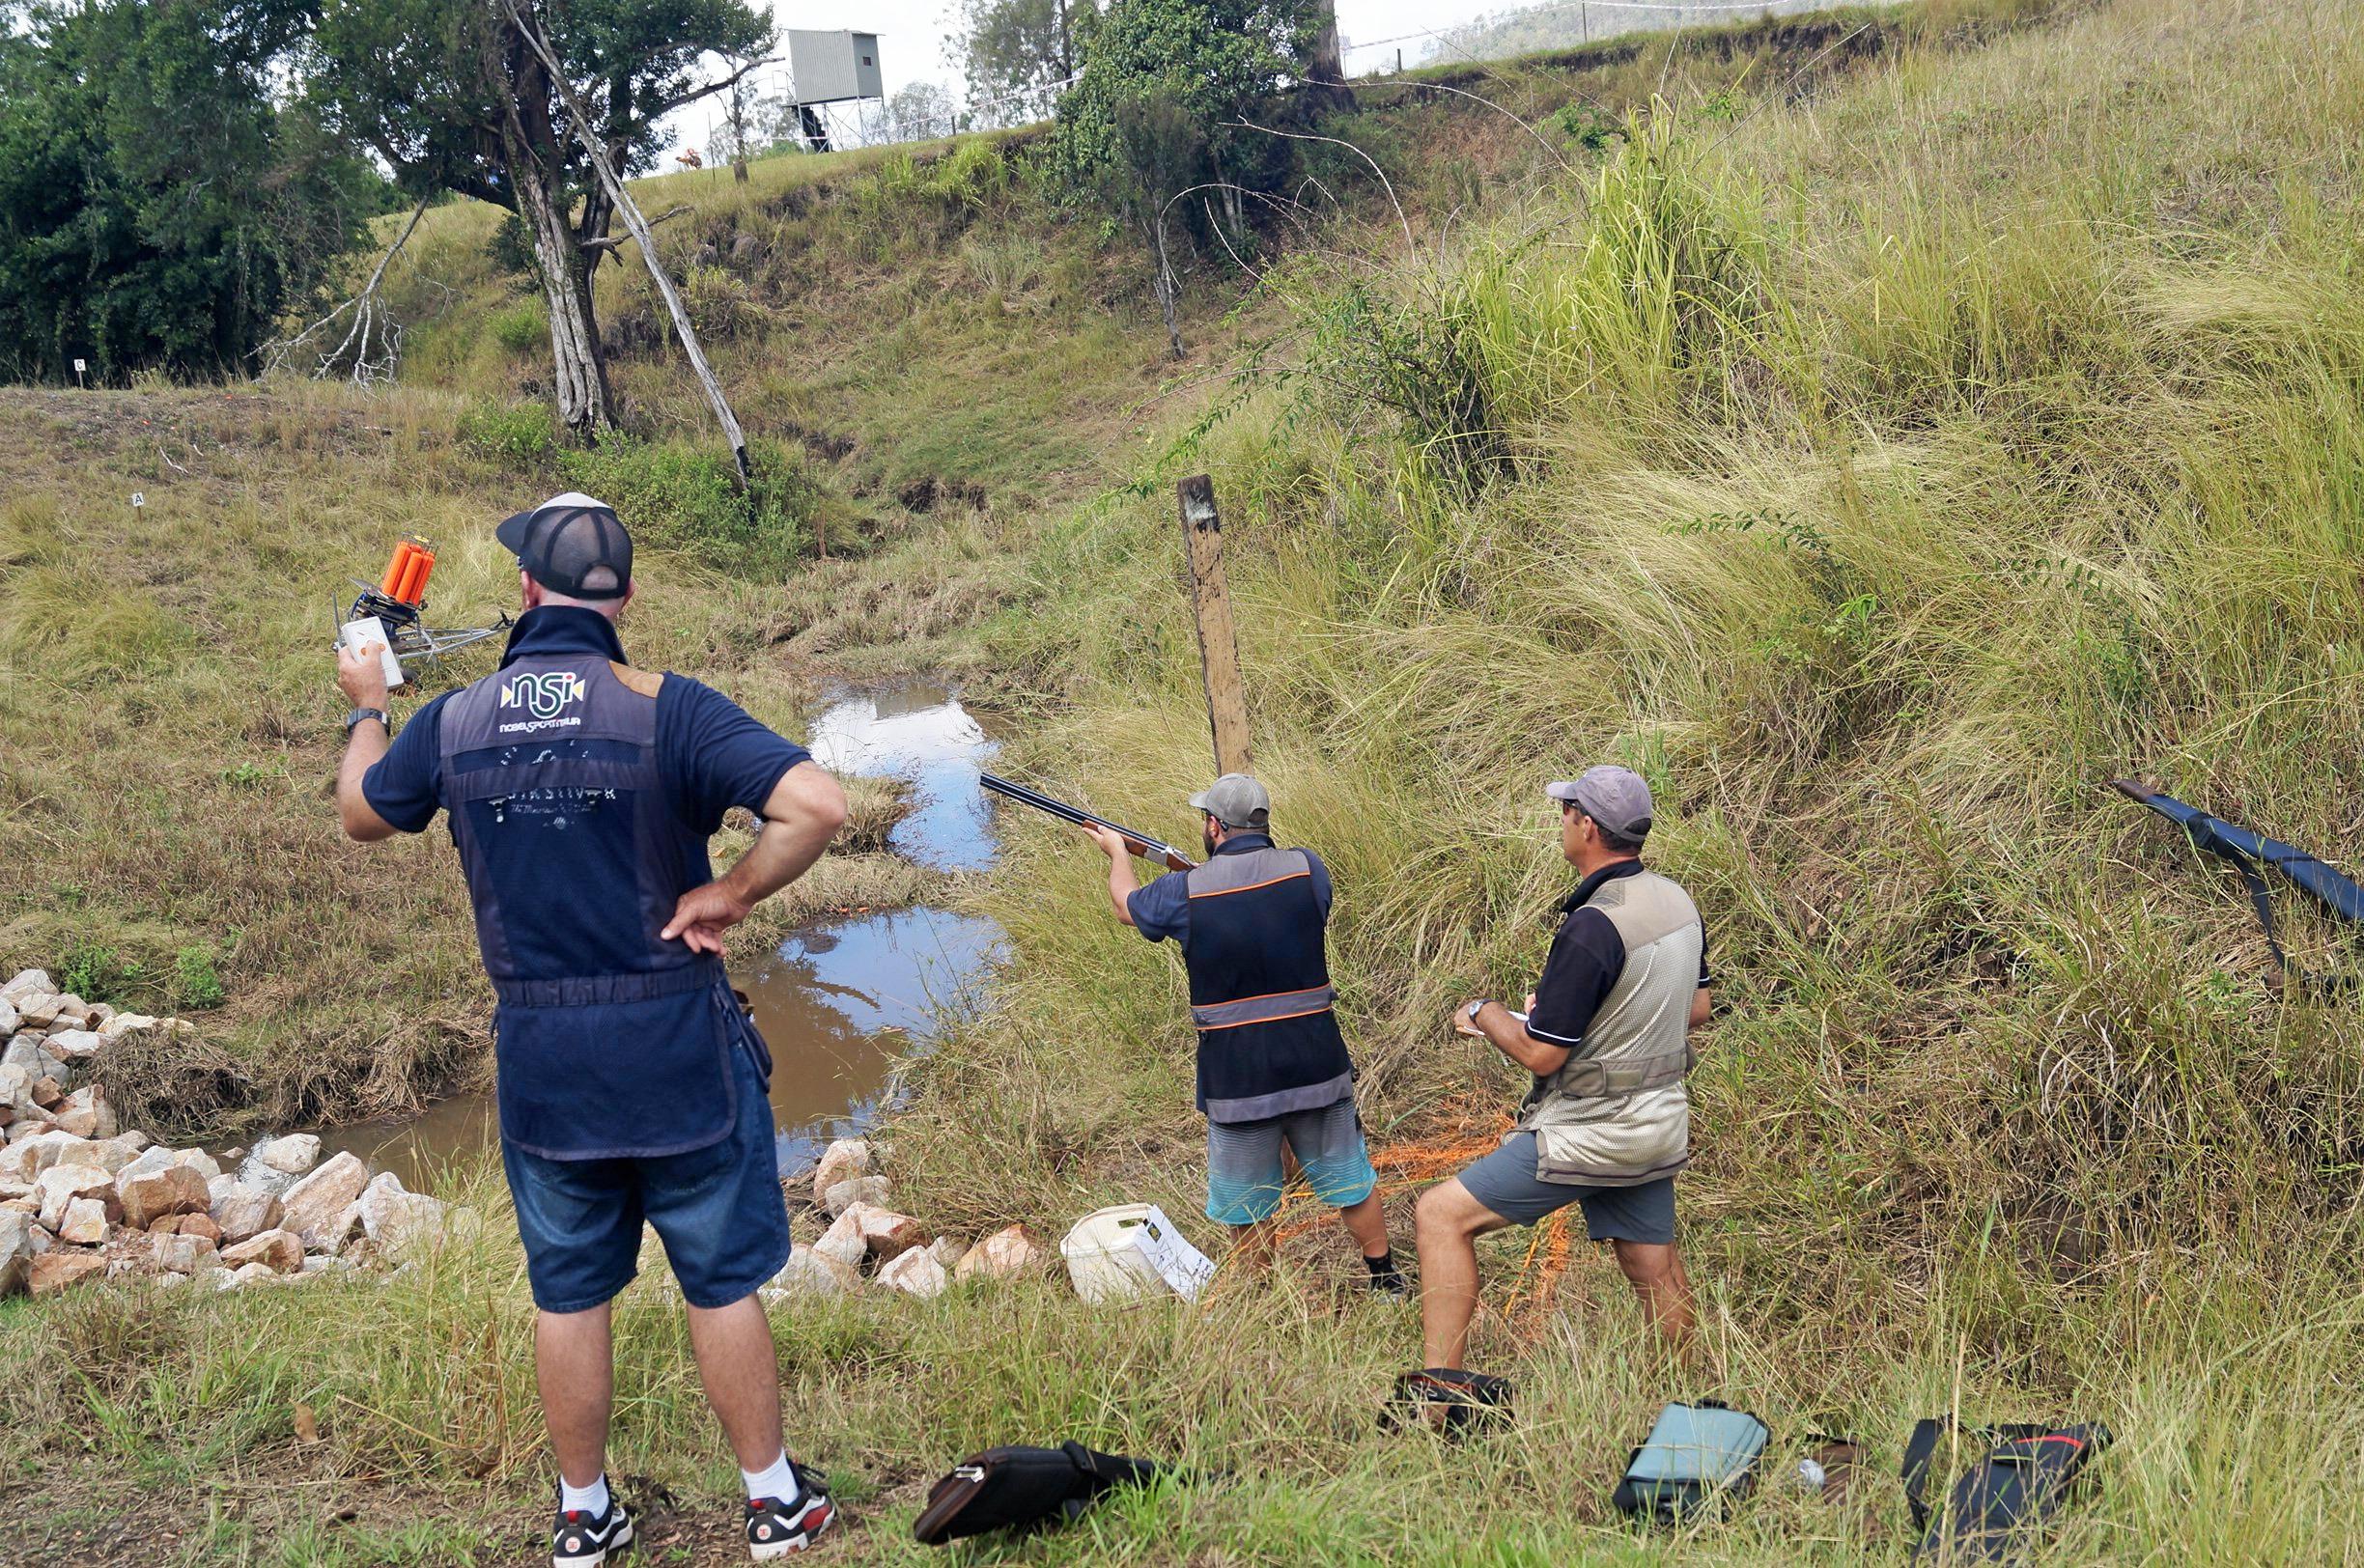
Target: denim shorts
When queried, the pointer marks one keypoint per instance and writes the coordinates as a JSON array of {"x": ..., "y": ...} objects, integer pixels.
[
  {"x": 1505, "y": 1182},
  {"x": 1245, "y": 1173},
  {"x": 719, "y": 1210}
]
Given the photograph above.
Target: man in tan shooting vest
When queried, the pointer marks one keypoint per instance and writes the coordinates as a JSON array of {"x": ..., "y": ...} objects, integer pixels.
[{"x": 1606, "y": 1035}]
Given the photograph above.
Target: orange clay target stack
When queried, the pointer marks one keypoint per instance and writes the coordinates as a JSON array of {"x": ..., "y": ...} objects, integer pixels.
[{"x": 398, "y": 599}]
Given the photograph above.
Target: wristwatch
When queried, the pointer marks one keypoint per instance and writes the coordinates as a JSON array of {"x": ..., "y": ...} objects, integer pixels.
[
  {"x": 1476, "y": 1007},
  {"x": 361, "y": 713}
]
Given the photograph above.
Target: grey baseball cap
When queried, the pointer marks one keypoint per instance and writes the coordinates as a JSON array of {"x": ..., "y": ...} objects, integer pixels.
[
  {"x": 1614, "y": 796},
  {"x": 1235, "y": 801}
]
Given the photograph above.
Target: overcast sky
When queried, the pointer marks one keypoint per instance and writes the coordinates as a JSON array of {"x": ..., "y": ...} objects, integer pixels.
[{"x": 915, "y": 36}]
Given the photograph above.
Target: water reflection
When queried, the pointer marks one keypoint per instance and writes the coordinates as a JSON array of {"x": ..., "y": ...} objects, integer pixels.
[
  {"x": 923, "y": 733},
  {"x": 839, "y": 1004}
]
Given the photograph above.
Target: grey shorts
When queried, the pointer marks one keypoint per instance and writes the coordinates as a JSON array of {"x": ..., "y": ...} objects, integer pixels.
[
  {"x": 1505, "y": 1182},
  {"x": 1244, "y": 1169}
]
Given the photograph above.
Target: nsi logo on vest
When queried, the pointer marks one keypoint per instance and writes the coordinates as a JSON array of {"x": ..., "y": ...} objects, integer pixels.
[{"x": 545, "y": 695}]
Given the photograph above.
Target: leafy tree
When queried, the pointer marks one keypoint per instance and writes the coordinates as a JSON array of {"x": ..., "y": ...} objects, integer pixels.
[
  {"x": 158, "y": 207},
  {"x": 918, "y": 110},
  {"x": 453, "y": 97},
  {"x": 1015, "y": 52},
  {"x": 1158, "y": 109}
]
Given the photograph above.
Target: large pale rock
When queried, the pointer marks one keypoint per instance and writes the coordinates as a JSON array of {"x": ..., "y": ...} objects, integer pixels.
[
  {"x": 73, "y": 1045},
  {"x": 807, "y": 1273},
  {"x": 841, "y": 1162},
  {"x": 1005, "y": 1254},
  {"x": 150, "y": 1195},
  {"x": 184, "y": 1254},
  {"x": 843, "y": 1242},
  {"x": 886, "y": 1233},
  {"x": 27, "y": 983},
  {"x": 870, "y": 1190},
  {"x": 916, "y": 1271},
  {"x": 62, "y": 1268},
  {"x": 946, "y": 1251},
  {"x": 344, "y": 1230},
  {"x": 24, "y": 1051},
  {"x": 113, "y": 1153},
  {"x": 8, "y": 1016},
  {"x": 48, "y": 1095},
  {"x": 26, "y": 1157},
  {"x": 85, "y": 1223},
  {"x": 283, "y": 1250},
  {"x": 245, "y": 1210},
  {"x": 396, "y": 1220},
  {"x": 16, "y": 1249},
  {"x": 123, "y": 1024},
  {"x": 37, "y": 1010},
  {"x": 158, "y": 1157},
  {"x": 60, "y": 1184},
  {"x": 256, "y": 1274},
  {"x": 16, "y": 1088},
  {"x": 292, "y": 1154},
  {"x": 86, "y": 1113},
  {"x": 313, "y": 1204}
]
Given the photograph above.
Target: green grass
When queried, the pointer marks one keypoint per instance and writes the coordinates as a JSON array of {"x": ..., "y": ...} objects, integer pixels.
[{"x": 1878, "y": 471}]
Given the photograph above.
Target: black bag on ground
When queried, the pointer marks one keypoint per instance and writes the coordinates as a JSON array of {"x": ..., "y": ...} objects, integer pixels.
[
  {"x": 2002, "y": 1500},
  {"x": 1018, "y": 1488},
  {"x": 1697, "y": 1454}
]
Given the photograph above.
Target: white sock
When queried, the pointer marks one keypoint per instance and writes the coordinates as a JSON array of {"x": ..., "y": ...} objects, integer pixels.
[
  {"x": 778, "y": 1481},
  {"x": 591, "y": 1500}
]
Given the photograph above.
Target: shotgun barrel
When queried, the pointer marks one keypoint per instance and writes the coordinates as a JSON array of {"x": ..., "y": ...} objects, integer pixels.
[{"x": 1140, "y": 844}]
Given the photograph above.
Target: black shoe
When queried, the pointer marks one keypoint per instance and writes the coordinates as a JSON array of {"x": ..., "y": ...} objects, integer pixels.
[
  {"x": 776, "y": 1528},
  {"x": 1451, "y": 1401},
  {"x": 1390, "y": 1286},
  {"x": 580, "y": 1541}
]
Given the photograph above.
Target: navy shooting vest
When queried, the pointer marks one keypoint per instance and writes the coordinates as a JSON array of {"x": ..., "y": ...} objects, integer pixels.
[
  {"x": 612, "y": 1042},
  {"x": 1259, "y": 985}
]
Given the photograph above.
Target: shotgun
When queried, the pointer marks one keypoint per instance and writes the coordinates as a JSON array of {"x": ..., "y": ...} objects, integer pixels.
[
  {"x": 1140, "y": 844},
  {"x": 2251, "y": 854}
]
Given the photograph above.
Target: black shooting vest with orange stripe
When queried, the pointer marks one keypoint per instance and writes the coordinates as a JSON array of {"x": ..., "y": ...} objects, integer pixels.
[{"x": 1259, "y": 985}]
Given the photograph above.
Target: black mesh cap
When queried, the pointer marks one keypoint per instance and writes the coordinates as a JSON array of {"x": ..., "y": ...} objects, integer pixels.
[{"x": 568, "y": 539}]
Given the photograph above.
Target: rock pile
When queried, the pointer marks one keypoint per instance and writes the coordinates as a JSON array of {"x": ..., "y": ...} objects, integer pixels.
[
  {"x": 81, "y": 1200},
  {"x": 895, "y": 1250}
]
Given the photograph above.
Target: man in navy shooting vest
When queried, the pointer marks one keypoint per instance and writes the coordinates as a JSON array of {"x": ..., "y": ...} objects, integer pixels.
[
  {"x": 1273, "y": 1067},
  {"x": 580, "y": 793}
]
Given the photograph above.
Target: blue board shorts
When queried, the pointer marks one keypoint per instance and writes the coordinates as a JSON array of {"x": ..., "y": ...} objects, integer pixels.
[
  {"x": 1505, "y": 1182},
  {"x": 719, "y": 1210},
  {"x": 1245, "y": 1173}
]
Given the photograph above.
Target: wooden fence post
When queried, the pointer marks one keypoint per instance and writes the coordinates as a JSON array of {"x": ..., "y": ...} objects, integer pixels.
[{"x": 1219, "y": 666}]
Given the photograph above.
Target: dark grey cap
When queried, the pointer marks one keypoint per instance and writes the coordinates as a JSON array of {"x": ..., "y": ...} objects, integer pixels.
[
  {"x": 566, "y": 541},
  {"x": 1614, "y": 796},
  {"x": 1235, "y": 801}
]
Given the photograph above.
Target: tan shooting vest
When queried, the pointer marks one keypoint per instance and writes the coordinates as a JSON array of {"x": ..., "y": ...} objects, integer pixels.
[{"x": 1616, "y": 1115}]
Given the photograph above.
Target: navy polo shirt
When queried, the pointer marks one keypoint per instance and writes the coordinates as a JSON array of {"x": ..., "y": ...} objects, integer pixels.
[
  {"x": 1586, "y": 959},
  {"x": 1161, "y": 911},
  {"x": 711, "y": 752}
]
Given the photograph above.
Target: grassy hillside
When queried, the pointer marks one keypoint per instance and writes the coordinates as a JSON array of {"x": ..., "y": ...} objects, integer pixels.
[{"x": 1880, "y": 444}]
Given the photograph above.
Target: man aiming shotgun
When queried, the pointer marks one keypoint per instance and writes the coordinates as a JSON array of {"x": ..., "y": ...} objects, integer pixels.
[
  {"x": 1273, "y": 1067},
  {"x": 580, "y": 793}
]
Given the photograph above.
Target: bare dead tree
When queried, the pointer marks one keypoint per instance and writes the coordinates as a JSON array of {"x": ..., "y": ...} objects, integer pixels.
[{"x": 372, "y": 343}]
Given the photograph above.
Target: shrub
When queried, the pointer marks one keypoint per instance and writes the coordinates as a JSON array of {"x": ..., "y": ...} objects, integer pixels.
[
  {"x": 514, "y": 435},
  {"x": 692, "y": 501},
  {"x": 197, "y": 981},
  {"x": 96, "y": 973},
  {"x": 523, "y": 329}
]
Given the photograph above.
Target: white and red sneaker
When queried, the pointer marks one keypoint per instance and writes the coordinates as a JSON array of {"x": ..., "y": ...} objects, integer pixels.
[
  {"x": 775, "y": 1529},
  {"x": 580, "y": 1540}
]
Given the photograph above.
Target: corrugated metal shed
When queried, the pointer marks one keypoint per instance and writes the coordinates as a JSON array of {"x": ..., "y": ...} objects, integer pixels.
[{"x": 830, "y": 68}]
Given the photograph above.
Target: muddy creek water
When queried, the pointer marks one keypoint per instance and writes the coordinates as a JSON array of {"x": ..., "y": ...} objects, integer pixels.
[{"x": 842, "y": 1003}]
